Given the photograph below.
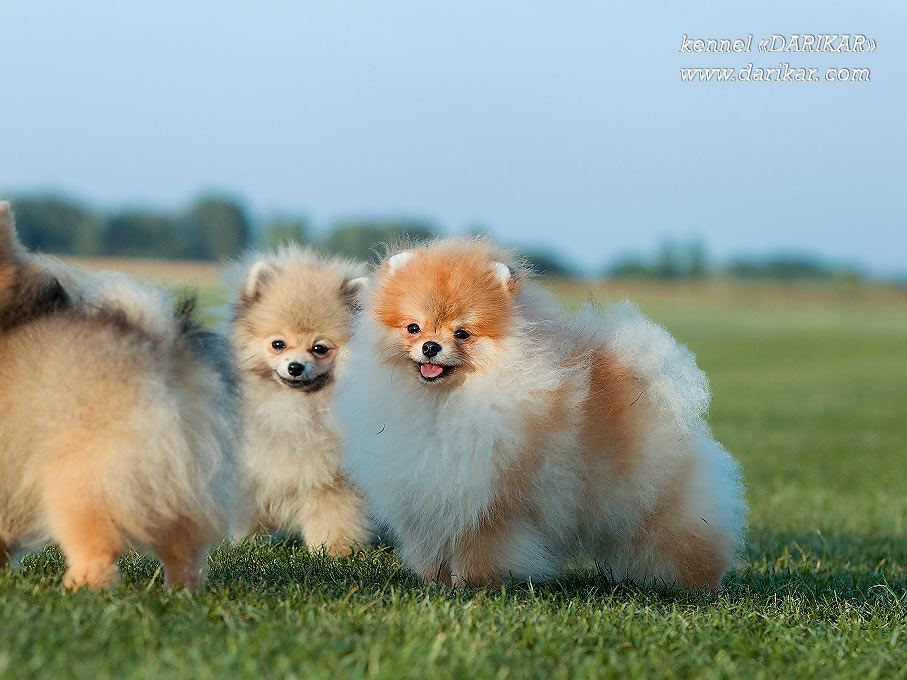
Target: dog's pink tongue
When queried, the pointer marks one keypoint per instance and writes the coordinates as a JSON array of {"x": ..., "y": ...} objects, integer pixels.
[{"x": 431, "y": 370}]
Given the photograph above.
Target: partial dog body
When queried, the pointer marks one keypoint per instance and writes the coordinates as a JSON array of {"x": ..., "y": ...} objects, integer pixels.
[
  {"x": 292, "y": 322},
  {"x": 498, "y": 438},
  {"x": 113, "y": 428}
]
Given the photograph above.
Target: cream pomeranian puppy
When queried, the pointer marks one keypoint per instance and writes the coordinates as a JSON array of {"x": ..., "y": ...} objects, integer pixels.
[
  {"x": 291, "y": 324},
  {"x": 114, "y": 421},
  {"x": 498, "y": 438}
]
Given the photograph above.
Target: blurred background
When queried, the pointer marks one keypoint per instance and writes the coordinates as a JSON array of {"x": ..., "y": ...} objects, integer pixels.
[{"x": 192, "y": 131}]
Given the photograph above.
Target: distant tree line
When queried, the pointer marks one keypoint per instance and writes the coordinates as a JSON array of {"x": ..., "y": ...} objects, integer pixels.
[
  {"x": 678, "y": 260},
  {"x": 218, "y": 228},
  {"x": 213, "y": 228}
]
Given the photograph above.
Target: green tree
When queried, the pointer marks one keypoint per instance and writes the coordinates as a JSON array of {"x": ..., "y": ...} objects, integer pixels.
[
  {"x": 783, "y": 267},
  {"x": 697, "y": 262},
  {"x": 279, "y": 231},
  {"x": 216, "y": 228},
  {"x": 141, "y": 234},
  {"x": 668, "y": 261},
  {"x": 57, "y": 225},
  {"x": 363, "y": 240},
  {"x": 630, "y": 266},
  {"x": 547, "y": 263}
]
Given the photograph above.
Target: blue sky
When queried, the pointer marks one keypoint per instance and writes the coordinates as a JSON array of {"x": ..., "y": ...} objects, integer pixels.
[{"x": 558, "y": 125}]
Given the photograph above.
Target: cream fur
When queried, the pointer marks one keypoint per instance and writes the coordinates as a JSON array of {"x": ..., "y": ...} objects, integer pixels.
[
  {"x": 432, "y": 462},
  {"x": 114, "y": 429},
  {"x": 290, "y": 452}
]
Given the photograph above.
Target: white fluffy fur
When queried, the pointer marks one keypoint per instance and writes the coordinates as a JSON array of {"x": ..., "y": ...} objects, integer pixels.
[
  {"x": 503, "y": 272},
  {"x": 399, "y": 260},
  {"x": 429, "y": 461}
]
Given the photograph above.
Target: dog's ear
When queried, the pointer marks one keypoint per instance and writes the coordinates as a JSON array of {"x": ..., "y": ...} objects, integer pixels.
[
  {"x": 351, "y": 290},
  {"x": 395, "y": 262},
  {"x": 508, "y": 277},
  {"x": 354, "y": 287},
  {"x": 502, "y": 272},
  {"x": 259, "y": 274}
]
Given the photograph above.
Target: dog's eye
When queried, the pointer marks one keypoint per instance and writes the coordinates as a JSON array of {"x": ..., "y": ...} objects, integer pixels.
[
  {"x": 279, "y": 345},
  {"x": 320, "y": 349},
  {"x": 461, "y": 334},
  {"x": 413, "y": 328}
]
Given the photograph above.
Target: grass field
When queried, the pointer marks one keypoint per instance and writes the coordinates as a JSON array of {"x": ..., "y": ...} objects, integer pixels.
[{"x": 810, "y": 393}]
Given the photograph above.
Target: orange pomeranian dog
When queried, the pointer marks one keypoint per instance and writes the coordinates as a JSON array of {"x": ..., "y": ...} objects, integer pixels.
[
  {"x": 115, "y": 421},
  {"x": 498, "y": 438}
]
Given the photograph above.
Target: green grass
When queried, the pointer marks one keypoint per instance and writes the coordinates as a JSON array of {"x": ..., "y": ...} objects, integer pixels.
[{"x": 811, "y": 399}]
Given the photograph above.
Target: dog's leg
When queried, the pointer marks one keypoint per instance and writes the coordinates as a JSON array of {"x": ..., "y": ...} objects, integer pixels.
[
  {"x": 248, "y": 516},
  {"x": 431, "y": 570},
  {"x": 244, "y": 524},
  {"x": 677, "y": 548},
  {"x": 182, "y": 547},
  {"x": 4, "y": 553},
  {"x": 334, "y": 517},
  {"x": 476, "y": 558},
  {"x": 88, "y": 538},
  {"x": 427, "y": 563},
  {"x": 679, "y": 556},
  {"x": 80, "y": 520}
]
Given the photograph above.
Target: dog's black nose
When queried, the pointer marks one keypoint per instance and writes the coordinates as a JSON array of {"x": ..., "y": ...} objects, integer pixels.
[
  {"x": 295, "y": 369},
  {"x": 431, "y": 348}
]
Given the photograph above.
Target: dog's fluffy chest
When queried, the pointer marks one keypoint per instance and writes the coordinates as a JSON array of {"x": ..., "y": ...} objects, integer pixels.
[
  {"x": 289, "y": 439},
  {"x": 434, "y": 464}
]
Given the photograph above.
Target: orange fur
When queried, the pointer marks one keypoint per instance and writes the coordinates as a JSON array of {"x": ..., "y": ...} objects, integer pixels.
[
  {"x": 83, "y": 523},
  {"x": 698, "y": 555},
  {"x": 181, "y": 547},
  {"x": 615, "y": 396},
  {"x": 446, "y": 286},
  {"x": 446, "y": 291},
  {"x": 477, "y": 555}
]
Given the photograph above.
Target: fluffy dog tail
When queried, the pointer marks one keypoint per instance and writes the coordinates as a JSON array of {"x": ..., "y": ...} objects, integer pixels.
[
  {"x": 26, "y": 292},
  {"x": 675, "y": 385},
  {"x": 677, "y": 391},
  {"x": 10, "y": 250}
]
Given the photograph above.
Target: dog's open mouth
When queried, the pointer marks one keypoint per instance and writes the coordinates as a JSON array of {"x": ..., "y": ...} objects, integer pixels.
[
  {"x": 430, "y": 373},
  {"x": 312, "y": 385}
]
